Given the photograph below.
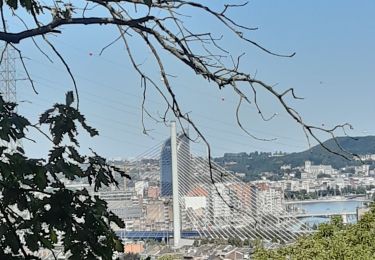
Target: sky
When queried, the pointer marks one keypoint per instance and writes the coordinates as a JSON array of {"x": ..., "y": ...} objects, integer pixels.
[{"x": 333, "y": 70}]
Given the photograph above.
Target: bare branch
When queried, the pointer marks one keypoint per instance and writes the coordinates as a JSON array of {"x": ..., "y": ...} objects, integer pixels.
[
  {"x": 25, "y": 68},
  {"x": 32, "y": 38},
  {"x": 66, "y": 67},
  {"x": 52, "y": 27},
  {"x": 243, "y": 129}
]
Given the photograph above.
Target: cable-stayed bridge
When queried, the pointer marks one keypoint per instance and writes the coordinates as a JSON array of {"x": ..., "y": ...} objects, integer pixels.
[{"x": 175, "y": 192}]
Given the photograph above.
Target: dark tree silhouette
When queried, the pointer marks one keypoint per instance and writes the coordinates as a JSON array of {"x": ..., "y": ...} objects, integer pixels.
[{"x": 36, "y": 209}]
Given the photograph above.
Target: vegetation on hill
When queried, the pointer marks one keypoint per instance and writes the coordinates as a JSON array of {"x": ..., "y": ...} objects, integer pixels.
[
  {"x": 319, "y": 155},
  {"x": 256, "y": 162},
  {"x": 332, "y": 241}
]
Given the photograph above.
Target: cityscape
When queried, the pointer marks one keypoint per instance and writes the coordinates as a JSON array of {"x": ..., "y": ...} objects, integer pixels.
[
  {"x": 212, "y": 215},
  {"x": 187, "y": 129}
]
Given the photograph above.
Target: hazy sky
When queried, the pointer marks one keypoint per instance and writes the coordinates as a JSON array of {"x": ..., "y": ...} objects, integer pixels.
[{"x": 332, "y": 70}]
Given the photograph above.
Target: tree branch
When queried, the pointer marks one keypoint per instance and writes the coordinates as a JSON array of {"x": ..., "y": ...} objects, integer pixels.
[{"x": 51, "y": 27}]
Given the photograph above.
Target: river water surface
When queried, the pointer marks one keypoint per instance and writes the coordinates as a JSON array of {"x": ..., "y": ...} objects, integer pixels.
[{"x": 329, "y": 207}]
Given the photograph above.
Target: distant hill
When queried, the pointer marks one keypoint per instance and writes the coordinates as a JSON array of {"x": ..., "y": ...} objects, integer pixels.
[
  {"x": 255, "y": 163},
  {"x": 319, "y": 155}
]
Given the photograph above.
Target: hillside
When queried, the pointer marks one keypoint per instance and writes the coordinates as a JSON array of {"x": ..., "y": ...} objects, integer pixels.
[
  {"x": 255, "y": 163},
  {"x": 319, "y": 155}
]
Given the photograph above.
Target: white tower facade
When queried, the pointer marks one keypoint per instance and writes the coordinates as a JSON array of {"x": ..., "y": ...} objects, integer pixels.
[{"x": 176, "y": 203}]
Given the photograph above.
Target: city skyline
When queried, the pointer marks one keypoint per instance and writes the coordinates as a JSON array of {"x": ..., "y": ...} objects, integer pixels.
[{"x": 209, "y": 210}]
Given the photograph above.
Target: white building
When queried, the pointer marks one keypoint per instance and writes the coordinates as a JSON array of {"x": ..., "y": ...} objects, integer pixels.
[
  {"x": 362, "y": 170},
  {"x": 314, "y": 170},
  {"x": 307, "y": 175},
  {"x": 366, "y": 157},
  {"x": 140, "y": 187},
  {"x": 194, "y": 211},
  {"x": 286, "y": 167},
  {"x": 195, "y": 202},
  {"x": 218, "y": 206},
  {"x": 270, "y": 200}
]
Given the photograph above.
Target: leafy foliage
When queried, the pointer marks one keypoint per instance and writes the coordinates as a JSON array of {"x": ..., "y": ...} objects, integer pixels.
[
  {"x": 332, "y": 241},
  {"x": 36, "y": 208},
  {"x": 323, "y": 175},
  {"x": 29, "y": 5}
]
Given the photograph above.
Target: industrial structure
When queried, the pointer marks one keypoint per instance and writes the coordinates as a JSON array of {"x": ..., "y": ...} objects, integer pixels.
[
  {"x": 8, "y": 83},
  {"x": 8, "y": 74}
]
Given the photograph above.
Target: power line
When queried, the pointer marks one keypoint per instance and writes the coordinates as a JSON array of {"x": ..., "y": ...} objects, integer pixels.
[
  {"x": 98, "y": 100},
  {"x": 156, "y": 102}
]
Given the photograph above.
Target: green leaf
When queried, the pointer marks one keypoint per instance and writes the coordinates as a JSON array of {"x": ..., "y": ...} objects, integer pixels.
[
  {"x": 119, "y": 247},
  {"x": 12, "y": 4},
  {"x": 148, "y": 3},
  {"x": 32, "y": 242},
  {"x": 46, "y": 243},
  {"x": 69, "y": 98},
  {"x": 53, "y": 236},
  {"x": 40, "y": 179},
  {"x": 27, "y": 4},
  {"x": 43, "y": 118}
]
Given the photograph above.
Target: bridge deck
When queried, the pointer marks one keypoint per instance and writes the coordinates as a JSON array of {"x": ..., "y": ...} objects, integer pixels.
[
  {"x": 159, "y": 235},
  {"x": 292, "y": 202},
  {"x": 323, "y": 214}
]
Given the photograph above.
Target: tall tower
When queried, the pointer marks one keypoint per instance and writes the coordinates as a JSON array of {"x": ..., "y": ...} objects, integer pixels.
[
  {"x": 308, "y": 166},
  {"x": 8, "y": 81},
  {"x": 8, "y": 74},
  {"x": 183, "y": 154},
  {"x": 175, "y": 193}
]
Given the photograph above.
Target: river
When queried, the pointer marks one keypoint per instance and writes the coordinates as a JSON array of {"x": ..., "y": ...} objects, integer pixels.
[{"x": 329, "y": 207}]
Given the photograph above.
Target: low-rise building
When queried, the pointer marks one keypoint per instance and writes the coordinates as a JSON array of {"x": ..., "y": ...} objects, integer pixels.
[{"x": 134, "y": 248}]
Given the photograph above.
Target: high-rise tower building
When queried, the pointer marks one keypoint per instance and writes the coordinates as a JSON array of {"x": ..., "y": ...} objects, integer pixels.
[{"x": 183, "y": 164}]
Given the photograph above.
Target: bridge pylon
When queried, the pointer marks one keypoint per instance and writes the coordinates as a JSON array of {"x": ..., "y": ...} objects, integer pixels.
[{"x": 175, "y": 194}]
